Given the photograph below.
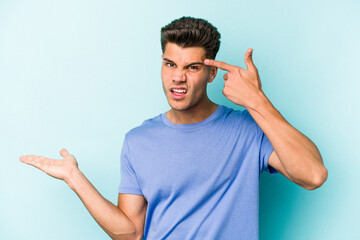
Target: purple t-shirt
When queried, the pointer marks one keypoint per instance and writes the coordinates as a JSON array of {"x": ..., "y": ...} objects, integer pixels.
[{"x": 201, "y": 180}]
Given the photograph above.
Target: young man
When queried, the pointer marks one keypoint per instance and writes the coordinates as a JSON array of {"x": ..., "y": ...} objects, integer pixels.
[{"x": 193, "y": 172}]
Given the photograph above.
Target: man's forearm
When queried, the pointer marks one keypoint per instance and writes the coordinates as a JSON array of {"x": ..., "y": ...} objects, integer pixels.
[
  {"x": 114, "y": 222},
  {"x": 297, "y": 153}
]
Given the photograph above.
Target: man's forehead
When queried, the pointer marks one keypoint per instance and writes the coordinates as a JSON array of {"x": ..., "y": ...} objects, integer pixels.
[{"x": 187, "y": 55}]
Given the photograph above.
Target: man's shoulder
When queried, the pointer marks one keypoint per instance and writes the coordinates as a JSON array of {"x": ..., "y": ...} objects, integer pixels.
[
  {"x": 234, "y": 113},
  {"x": 241, "y": 116},
  {"x": 148, "y": 126}
]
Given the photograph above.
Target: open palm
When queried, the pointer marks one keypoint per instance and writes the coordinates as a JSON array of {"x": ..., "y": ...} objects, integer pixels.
[{"x": 60, "y": 169}]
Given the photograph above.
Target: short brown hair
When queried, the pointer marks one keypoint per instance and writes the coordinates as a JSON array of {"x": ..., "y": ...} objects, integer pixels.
[{"x": 192, "y": 32}]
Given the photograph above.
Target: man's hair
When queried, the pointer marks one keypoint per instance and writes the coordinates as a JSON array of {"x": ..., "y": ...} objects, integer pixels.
[{"x": 192, "y": 32}]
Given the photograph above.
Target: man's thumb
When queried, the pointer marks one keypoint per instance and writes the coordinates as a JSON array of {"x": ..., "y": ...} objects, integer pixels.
[
  {"x": 64, "y": 152},
  {"x": 248, "y": 59}
]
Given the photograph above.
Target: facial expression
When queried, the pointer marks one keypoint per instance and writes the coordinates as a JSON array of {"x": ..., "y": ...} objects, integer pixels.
[{"x": 185, "y": 76}]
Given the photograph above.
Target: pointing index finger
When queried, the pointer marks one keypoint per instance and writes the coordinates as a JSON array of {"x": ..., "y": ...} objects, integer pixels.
[{"x": 219, "y": 64}]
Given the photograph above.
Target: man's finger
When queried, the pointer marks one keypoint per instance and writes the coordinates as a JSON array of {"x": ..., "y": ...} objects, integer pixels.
[
  {"x": 30, "y": 158},
  {"x": 219, "y": 64},
  {"x": 64, "y": 152},
  {"x": 24, "y": 159},
  {"x": 33, "y": 160},
  {"x": 248, "y": 59},
  {"x": 226, "y": 76}
]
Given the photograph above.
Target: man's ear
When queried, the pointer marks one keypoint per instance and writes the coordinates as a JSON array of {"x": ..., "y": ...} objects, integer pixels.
[
  {"x": 162, "y": 57},
  {"x": 213, "y": 72}
]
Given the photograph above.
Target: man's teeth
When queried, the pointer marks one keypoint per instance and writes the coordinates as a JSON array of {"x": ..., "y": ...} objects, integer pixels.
[{"x": 179, "y": 90}]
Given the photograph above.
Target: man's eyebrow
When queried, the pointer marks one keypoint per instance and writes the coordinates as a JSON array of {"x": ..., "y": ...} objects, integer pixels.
[
  {"x": 193, "y": 63},
  {"x": 168, "y": 60}
]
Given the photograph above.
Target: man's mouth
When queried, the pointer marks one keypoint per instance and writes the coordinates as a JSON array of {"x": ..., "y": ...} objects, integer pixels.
[{"x": 178, "y": 93}]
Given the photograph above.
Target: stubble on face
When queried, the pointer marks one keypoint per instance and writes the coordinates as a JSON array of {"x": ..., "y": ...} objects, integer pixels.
[{"x": 177, "y": 71}]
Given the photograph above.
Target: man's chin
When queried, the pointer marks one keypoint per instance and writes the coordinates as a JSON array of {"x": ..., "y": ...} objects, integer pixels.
[
  {"x": 179, "y": 107},
  {"x": 176, "y": 108}
]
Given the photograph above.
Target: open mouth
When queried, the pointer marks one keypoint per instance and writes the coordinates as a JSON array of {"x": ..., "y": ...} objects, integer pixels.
[{"x": 178, "y": 93}]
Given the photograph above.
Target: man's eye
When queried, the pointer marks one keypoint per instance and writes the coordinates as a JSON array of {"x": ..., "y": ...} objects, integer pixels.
[
  {"x": 170, "y": 64},
  {"x": 193, "y": 68}
]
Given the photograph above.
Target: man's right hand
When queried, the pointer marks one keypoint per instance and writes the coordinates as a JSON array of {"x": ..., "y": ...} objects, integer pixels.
[
  {"x": 60, "y": 169},
  {"x": 110, "y": 217}
]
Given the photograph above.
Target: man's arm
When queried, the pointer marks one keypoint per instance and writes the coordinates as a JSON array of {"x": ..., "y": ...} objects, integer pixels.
[
  {"x": 134, "y": 206},
  {"x": 295, "y": 155},
  {"x": 110, "y": 217}
]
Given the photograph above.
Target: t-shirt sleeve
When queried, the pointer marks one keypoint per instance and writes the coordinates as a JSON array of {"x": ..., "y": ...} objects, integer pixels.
[
  {"x": 265, "y": 147},
  {"x": 129, "y": 182},
  {"x": 265, "y": 151}
]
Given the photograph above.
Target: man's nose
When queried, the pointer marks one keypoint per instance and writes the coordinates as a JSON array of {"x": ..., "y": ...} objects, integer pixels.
[{"x": 179, "y": 76}]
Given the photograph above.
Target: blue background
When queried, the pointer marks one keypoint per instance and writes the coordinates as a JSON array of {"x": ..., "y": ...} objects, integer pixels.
[{"x": 80, "y": 74}]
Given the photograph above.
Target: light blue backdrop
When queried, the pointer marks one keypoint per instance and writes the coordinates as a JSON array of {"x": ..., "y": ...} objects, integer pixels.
[{"x": 80, "y": 74}]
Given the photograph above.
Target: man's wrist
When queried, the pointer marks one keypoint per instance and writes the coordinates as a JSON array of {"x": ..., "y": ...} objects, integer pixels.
[
  {"x": 73, "y": 174},
  {"x": 259, "y": 102}
]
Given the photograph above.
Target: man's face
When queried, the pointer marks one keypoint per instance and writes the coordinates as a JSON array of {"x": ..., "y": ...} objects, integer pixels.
[{"x": 184, "y": 76}]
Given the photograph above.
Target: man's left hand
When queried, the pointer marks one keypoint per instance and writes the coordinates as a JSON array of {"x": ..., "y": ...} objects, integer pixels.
[{"x": 242, "y": 86}]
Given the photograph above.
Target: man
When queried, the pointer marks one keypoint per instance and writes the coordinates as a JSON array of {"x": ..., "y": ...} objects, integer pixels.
[{"x": 193, "y": 172}]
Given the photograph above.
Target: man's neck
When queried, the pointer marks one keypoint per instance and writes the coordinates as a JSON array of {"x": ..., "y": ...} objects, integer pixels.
[{"x": 195, "y": 114}]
